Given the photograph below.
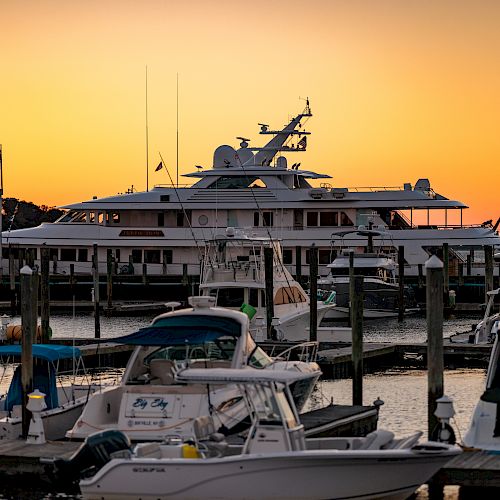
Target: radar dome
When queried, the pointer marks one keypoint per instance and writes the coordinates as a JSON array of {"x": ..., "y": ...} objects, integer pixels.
[
  {"x": 225, "y": 156},
  {"x": 244, "y": 155}
]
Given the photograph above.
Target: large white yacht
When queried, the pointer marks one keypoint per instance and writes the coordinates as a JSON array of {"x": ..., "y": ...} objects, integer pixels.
[{"x": 254, "y": 188}]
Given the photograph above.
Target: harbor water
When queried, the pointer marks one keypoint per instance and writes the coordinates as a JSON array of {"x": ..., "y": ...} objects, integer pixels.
[{"x": 404, "y": 392}]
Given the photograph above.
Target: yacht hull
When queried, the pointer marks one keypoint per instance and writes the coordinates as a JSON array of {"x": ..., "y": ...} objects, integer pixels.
[{"x": 296, "y": 475}]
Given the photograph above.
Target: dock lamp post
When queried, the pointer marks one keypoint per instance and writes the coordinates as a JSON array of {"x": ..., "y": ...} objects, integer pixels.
[{"x": 36, "y": 404}]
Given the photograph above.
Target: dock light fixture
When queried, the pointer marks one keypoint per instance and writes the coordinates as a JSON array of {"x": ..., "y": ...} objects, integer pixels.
[{"x": 36, "y": 404}]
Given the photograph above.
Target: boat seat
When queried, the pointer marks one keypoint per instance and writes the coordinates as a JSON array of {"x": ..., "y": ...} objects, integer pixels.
[
  {"x": 161, "y": 371},
  {"x": 376, "y": 440},
  {"x": 403, "y": 443},
  {"x": 205, "y": 434}
]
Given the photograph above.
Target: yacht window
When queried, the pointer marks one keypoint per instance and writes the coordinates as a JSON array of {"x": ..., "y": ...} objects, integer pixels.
[
  {"x": 83, "y": 255},
  {"x": 53, "y": 253},
  {"x": 345, "y": 220},
  {"x": 167, "y": 256},
  {"x": 183, "y": 219},
  {"x": 152, "y": 256},
  {"x": 312, "y": 218},
  {"x": 256, "y": 219},
  {"x": 161, "y": 219},
  {"x": 117, "y": 255},
  {"x": 324, "y": 257},
  {"x": 328, "y": 218},
  {"x": 237, "y": 182},
  {"x": 267, "y": 219},
  {"x": 136, "y": 255},
  {"x": 100, "y": 217},
  {"x": 253, "y": 297},
  {"x": 287, "y": 256},
  {"x": 68, "y": 254},
  {"x": 230, "y": 297},
  {"x": 115, "y": 217},
  {"x": 92, "y": 217}
]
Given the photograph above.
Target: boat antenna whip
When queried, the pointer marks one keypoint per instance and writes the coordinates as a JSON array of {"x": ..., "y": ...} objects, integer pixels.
[{"x": 200, "y": 255}]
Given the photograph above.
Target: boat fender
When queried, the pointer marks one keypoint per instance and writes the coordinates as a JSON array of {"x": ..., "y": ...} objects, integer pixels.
[
  {"x": 15, "y": 332},
  {"x": 189, "y": 450}
]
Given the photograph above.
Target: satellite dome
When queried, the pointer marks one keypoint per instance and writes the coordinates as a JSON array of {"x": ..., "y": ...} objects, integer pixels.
[
  {"x": 281, "y": 162},
  {"x": 225, "y": 156}
]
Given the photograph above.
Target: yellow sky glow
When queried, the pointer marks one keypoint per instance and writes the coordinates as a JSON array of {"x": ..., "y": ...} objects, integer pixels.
[{"x": 399, "y": 90}]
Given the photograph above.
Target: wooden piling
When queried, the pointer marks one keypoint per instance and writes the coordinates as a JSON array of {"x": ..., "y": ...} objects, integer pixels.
[
  {"x": 298, "y": 263},
  {"x": 145, "y": 274},
  {"x": 269, "y": 282},
  {"x": 54, "y": 264},
  {"x": 420, "y": 276},
  {"x": 30, "y": 257},
  {"x": 45, "y": 293},
  {"x": 130, "y": 264},
  {"x": 313, "y": 288},
  {"x": 351, "y": 278},
  {"x": 109, "y": 278},
  {"x": 72, "y": 280},
  {"x": 488, "y": 271},
  {"x": 446, "y": 271},
  {"x": 435, "y": 361},
  {"x": 460, "y": 274},
  {"x": 356, "y": 300},
  {"x": 401, "y": 278},
  {"x": 29, "y": 299},
  {"x": 12, "y": 282},
  {"x": 95, "y": 271}
]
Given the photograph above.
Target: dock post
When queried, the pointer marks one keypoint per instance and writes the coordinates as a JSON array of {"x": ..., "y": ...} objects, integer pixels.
[
  {"x": 446, "y": 271},
  {"x": 298, "y": 264},
  {"x": 435, "y": 362},
  {"x": 145, "y": 274},
  {"x": 351, "y": 278},
  {"x": 30, "y": 257},
  {"x": 164, "y": 263},
  {"x": 488, "y": 271},
  {"x": 109, "y": 278},
  {"x": 356, "y": 300},
  {"x": 95, "y": 272},
  {"x": 29, "y": 305},
  {"x": 313, "y": 295},
  {"x": 401, "y": 279},
  {"x": 72, "y": 280},
  {"x": 54, "y": 264},
  {"x": 45, "y": 293},
  {"x": 460, "y": 274},
  {"x": 12, "y": 281},
  {"x": 420, "y": 276},
  {"x": 268, "y": 276}
]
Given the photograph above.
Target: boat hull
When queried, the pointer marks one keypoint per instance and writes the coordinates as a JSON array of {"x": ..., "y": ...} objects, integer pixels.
[{"x": 297, "y": 475}]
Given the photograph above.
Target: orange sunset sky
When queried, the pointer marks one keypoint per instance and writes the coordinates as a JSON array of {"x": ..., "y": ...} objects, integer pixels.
[{"x": 399, "y": 90}]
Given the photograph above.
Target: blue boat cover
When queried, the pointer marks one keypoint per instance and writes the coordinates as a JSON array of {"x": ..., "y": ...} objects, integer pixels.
[
  {"x": 182, "y": 330},
  {"x": 47, "y": 352}
]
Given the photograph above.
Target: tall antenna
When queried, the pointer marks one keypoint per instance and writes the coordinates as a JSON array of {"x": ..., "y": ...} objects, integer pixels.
[
  {"x": 147, "y": 134},
  {"x": 177, "y": 147}
]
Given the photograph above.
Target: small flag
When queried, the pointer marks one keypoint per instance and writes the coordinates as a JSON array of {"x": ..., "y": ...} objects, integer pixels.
[
  {"x": 159, "y": 167},
  {"x": 302, "y": 143}
]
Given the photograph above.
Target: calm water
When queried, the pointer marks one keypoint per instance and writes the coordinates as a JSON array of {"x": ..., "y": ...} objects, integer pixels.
[{"x": 404, "y": 392}]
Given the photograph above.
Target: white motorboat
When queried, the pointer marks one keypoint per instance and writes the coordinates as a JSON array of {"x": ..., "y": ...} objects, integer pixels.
[
  {"x": 276, "y": 461},
  {"x": 487, "y": 329},
  {"x": 65, "y": 393},
  {"x": 484, "y": 428},
  {"x": 257, "y": 188},
  {"x": 233, "y": 272},
  {"x": 149, "y": 403}
]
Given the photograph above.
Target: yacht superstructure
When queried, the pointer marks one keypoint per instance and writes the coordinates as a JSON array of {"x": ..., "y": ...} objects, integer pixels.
[{"x": 252, "y": 188}]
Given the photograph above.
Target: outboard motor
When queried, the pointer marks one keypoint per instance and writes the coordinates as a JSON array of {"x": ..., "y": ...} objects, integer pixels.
[{"x": 96, "y": 451}]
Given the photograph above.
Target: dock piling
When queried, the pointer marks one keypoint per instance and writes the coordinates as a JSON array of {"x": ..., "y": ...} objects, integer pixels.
[
  {"x": 45, "y": 293},
  {"x": 488, "y": 271},
  {"x": 401, "y": 279},
  {"x": 109, "y": 280},
  {"x": 435, "y": 360},
  {"x": 95, "y": 271},
  {"x": 356, "y": 300},
  {"x": 268, "y": 277},
  {"x": 313, "y": 288}
]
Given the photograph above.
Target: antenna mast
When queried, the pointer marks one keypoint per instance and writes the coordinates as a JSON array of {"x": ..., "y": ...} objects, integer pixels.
[
  {"x": 147, "y": 134},
  {"x": 177, "y": 145}
]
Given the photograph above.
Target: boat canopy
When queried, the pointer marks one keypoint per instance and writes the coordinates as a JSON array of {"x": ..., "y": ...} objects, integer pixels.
[
  {"x": 47, "y": 352},
  {"x": 182, "y": 330},
  {"x": 239, "y": 375}
]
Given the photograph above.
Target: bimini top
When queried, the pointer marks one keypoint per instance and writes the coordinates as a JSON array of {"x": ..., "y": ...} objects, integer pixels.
[
  {"x": 47, "y": 352},
  {"x": 239, "y": 375},
  {"x": 182, "y": 330}
]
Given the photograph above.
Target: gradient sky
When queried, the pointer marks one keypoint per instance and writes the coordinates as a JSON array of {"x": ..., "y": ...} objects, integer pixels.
[{"x": 399, "y": 90}]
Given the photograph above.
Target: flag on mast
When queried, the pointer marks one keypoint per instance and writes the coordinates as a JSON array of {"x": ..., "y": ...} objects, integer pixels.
[{"x": 159, "y": 167}]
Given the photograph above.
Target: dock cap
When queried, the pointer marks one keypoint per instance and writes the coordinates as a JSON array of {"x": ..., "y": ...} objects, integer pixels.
[{"x": 434, "y": 262}]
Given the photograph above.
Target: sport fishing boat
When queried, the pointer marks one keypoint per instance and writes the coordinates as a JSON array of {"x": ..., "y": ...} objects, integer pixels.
[
  {"x": 484, "y": 429},
  {"x": 150, "y": 403},
  {"x": 257, "y": 188},
  {"x": 233, "y": 272},
  {"x": 65, "y": 393},
  {"x": 276, "y": 460}
]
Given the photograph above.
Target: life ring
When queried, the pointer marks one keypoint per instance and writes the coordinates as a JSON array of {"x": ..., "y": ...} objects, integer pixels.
[{"x": 14, "y": 333}]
